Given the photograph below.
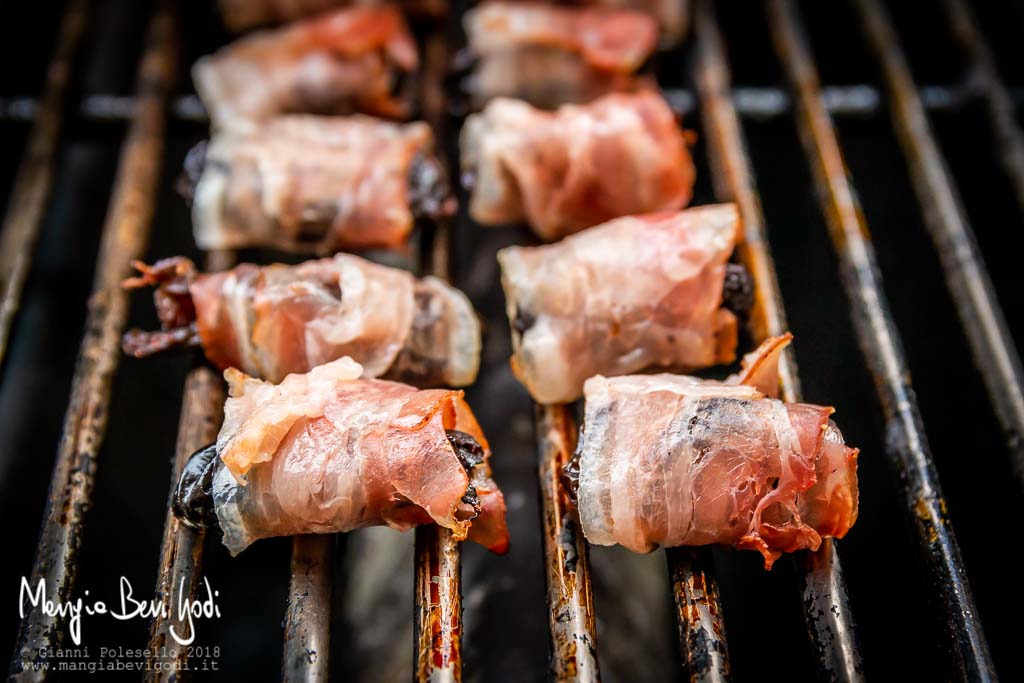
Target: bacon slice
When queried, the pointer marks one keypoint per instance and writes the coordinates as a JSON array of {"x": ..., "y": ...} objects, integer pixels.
[
  {"x": 672, "y": 460},
  {"x": 349, "y": 60},
  {"x": 321, "y": 185},
  {"x": 633, "y": 293},
  {"x": 671, "y": 15},
  {"x": 549, "y": 55},
  {"x": 565, "y": 171},
  {"x": 275, "y": 320},
  {"x": 240, "y": 15},
  {"x": 326, "y": 452}
]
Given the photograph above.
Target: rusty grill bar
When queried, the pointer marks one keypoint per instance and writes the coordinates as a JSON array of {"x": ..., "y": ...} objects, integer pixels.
[
  {"x": 827, "y": 612},
  {"x": 438, "y": 622},
  {"x": 181, "y": 552},
  {"x": 25, "y": 214},
  {"x": 966, "y": 275},
  {"x": 125, "y": 233},
  {"x": 906, "y": 442},
  {"x": 566, "y": 555}
]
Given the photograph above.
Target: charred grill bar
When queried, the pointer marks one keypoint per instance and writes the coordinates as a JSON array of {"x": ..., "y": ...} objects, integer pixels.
[
  {"x": 437, "y": 571},
  {"x": 307, "y": 622},
  {"x": 566, "y": 558},
  {"x": 25, "y": 214},
  {"x": 906, "y": 442},
  {"x": 1000, "y": 100},
  {"x": 181, "y": 551},
  {"x": 966, "y": 275},
  {"x": 826, "y": 606},
  {"x": 125, "y": 233}
]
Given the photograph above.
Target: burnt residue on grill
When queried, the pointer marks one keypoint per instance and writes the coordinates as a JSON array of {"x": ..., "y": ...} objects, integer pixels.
[
  {"x": 181, "y": 549},
  {"x": 567, "y": 564},
  {"x": 438, "y": 622},
  {"x": 125, "y": 234},
  {"x": 827, "y": 613},
  {"x": 906, "y": 442},
  {"x": 702, "y": 643}
]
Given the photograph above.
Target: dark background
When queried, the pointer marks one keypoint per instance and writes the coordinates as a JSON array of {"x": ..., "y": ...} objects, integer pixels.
[{"x": 898, "y": 623}]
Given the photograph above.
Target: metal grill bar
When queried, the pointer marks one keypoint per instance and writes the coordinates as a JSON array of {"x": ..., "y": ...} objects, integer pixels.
[
  {"x": 826, "y": 605},
  {"x": 758, "y": 102},
  {"x": 437, "y": 629},
  {"x": 307, "y": 624},
  {"x": 566, "y": 554},
  {"x": 1001, "y": 101},
  {"x": 124, "y": 238},
  {"x": 702, "y": 644},
  {"x": 966, "y": 275},
  {"x": 181, "y": 550},
  {"x": 31, "y": 190},
  {"x": 907, "y": 444},
  {"x": 438, "y": 594}
]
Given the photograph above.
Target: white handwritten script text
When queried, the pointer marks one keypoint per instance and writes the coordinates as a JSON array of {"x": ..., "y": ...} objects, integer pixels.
[{"x": 129, "y": 607}]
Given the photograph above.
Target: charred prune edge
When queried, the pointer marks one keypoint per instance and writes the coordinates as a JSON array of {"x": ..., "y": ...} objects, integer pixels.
[
  {"x": 738, "y": 290},
  {"x": 470, "y": 454},
  {"x": 193, "y": 498},
  {"x": 430, "y": 195},
  {"x": 571, "y": 471}
]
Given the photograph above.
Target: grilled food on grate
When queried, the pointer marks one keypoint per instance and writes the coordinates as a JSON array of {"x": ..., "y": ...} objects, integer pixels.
[
  {"x": 550, "y": 55},
  {"x": 327, "y": 452},
  {"x": 310, "y": 184},
  {"x": 350, "y": 60},
  {"x": 672, "y": 460},
  {"x": 275, "y": 320},
  {"x": 563, "y": 171},
  {"x": 633, "y": 293}
]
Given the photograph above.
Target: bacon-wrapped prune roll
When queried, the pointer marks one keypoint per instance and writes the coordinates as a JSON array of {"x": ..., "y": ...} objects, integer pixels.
[
  {"x": 564, "y": 171},
  {"x": 669, "y": 460},
  {"x": 271, "y": 321},
  {"x": 634, "y": 293},
  {"x": 327, "y": 452},
  {"x": 550, "y": 55},
  {"x": 240, "y": 15},
  {"x": 671, "y": 15},
  {"x": 351, "y": 60},
  {"x": 312, "y": 184}
]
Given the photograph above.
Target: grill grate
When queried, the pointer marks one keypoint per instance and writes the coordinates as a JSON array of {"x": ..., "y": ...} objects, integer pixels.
[
  {"x": 125, "y": 234},
  {"x": 438, "y": 618},
  {"x": 906, "y": 443},
  {"x": 35, "y": 176}
]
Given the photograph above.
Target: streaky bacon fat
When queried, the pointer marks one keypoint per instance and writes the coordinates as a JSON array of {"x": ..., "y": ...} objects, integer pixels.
[
  {"x": 271, "y": 321},
  {"x": 581, "y": 165},
  {"x": 348, "y": 60},
  {"x": 327, "y": 452},
  {"x": 311, "y": 184},
  {"x": 549, "y": 54},
  {"x": 634, "y": 293},
  {"x": 669, "y": 460}
]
